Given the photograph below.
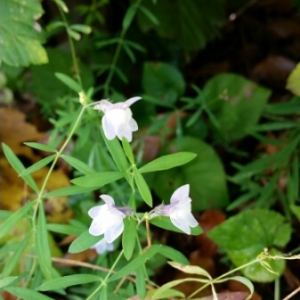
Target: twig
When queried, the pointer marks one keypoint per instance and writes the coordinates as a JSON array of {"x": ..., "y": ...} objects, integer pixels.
[{"x": 293, "y": 293}]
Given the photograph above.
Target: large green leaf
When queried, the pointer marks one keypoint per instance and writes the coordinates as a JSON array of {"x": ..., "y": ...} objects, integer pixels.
[
  {"x": 20, "y": 40},
  {"x": 163, "y": 81},
  {"x": 236, "y": 102},
  {"x": 190, "y": 22},
  {"x": 205, "y": 174},
  {"x": 245, "y": 236},
  {"x": 293, "y": 81}
]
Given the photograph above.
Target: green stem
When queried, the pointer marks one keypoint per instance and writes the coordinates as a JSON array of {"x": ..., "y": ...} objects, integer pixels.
[
  {"x": 116, "y": 57},
  {"x": 106, "y": 277}
]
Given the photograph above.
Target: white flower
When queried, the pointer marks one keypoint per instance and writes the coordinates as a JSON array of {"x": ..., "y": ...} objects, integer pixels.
[
  {"x": 108, "y": 219},
  {"x": 179, "y": 210},
  {"x": 103, "y": 246},
  {"x": 117, "y": 119}
]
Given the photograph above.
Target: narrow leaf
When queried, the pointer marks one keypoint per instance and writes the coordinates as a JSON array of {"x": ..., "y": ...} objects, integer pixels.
[
  {"x": 81, "y": 28},
  {"x": 15, "y": 258},
  {"x": 128, "y": 150},
  {"x": 9, "y": 223},
  {"x": 27, "y": 294},
  {"x": 142, "y": 187},
  {"x": 130, "y": 13},
  {"x": 135, "y": 263},
  {"x": 173, "y": 254},
  {"x": 77, "y": 164},
  {"x": 65, "y": 229},
  {"x": 168, "y": 161},
  {"x": 84, "y": 242},
  {"x": 37, "y": 166},
  {"x": 42, "y": 244},
  {"x": 190, "y": 269},
  {"x": 129, "y": 237},
  {"x": 68, "y": 191},
  {"x": 66, "y": 281},
  {"x": 18, "y": 166},
  {"x": 141, "y": 282},
  {"x": 149, "y": 15},
  {"x": 69, "y": 82},
  {"x": 97, "y": 180},
  {"x": 40, "y": 147},
  {"x": 6, "y": 281}
]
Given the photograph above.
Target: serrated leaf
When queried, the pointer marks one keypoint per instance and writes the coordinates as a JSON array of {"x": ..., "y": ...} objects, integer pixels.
[
  {"x": 9, "y": 223},
  {"x": 245, "y": 236},
  {"x": 40, "y": 147},
  {"x": 168, "y": 161},
  {"x": 37, "y": 166},
  {"x": 27, "y": 294},
  {"x": 129, "y": 237},
  {"x": 165, "y": 223},
  {"x": 18, "y": 166},
  {"x": 97, "y": 180},
  {"x": 69, "y": 82},
  {"x": 83, "y": 242},
  {"x": 66, "y": 281},
  {"x": 77, "y": 164},
  {"x": 135, "y": 263},
  {"x": 24, "y": 48},
  {"x": 142, "y": 187}
]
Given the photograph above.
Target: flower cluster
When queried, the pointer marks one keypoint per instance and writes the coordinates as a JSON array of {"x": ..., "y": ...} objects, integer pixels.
[{"x": 108, "y": 218}]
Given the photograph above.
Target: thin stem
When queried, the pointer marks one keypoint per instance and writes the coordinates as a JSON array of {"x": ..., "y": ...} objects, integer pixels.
[
  {"x": 106, "y": 277},
  {"x": 72, "y": 48},
  {"x": 116, "y": 57},
  {"x": 277, "y": 289},
  {"x": 148, "y": 232}
]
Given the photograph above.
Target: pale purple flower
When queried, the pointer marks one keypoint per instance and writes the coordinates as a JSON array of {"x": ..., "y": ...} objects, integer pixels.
[
  {"x": 179, "y": 210},
  {"x": 108, "y": 219},
  {"x": 103, "y": 246},
  {"x": 117, "y": 119}
]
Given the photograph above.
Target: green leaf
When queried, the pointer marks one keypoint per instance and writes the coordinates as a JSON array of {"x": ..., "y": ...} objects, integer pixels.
[
  {"x": 163, "y": 81},
  {"x": 205, "y": 175},
  {"x": 141, "y": 282},
  {"x": 173, "y": 254},
  {"x": 66, "y": 281},
  {"x": 135, "y": 263},
  {"x": 27, "y": 294},
  {"x": 77, "y": 164},
  {"x": 129, "y": 15},
  {"x": 83, "y": 242},
  {"x": 7, "y": 281},
  {"x": 149, "y": 15},
  {"x": 37, "y": 166},
  {"x": 62, "y": 5},
  {"x": 168, "y": 161},
  {"x": 128, "y": 150},
  {"x": 9, "y": 223},
  {"x": 245, "y": 236},
  {"x": 188, "y": 269},
  {"x": 284, "y": 108},
  {"x": 166, "y": 294},
  {"x": 165, "y": 223},
  {"x": 293, "y": 81},
  {"x": 69, "y": 82},
  {"x": 68, "y": 191},
  {"x": 18, "y": 166},
  {"x": 296, "y": 210},
  {"x": 129, "y": 237},
  {"x": 24, "y": 48},
  {"x": 117, "y": 154},
  {"x": 236, "y": 103},
  {"x": 40, "y": 147},
  {"x": 97, "y": 180},
  {"x": 42, "y": 244},
  {"x": 185, "y": 22},
  {"x": 65, "y": 229},
  {"x": 15, "y": 258},
  {"x": 142, "y": 187}
]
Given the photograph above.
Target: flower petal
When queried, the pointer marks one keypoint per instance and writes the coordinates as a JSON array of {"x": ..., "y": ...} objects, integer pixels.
[
  {"x": 94, "y": 211},
  {"x": 181, "y": 193},
  {"x": 96, "y": 228},
  {"x": 133, "y": 125},
  {"x": 132, "y": 100},
  {"x": 108, "y": 128},
  {"x": 108, "y": 200},
  {"x": 114, "y": 231},
  {"x": 190, "y": 219},
  {"x": 125, "y": 132},
  {"x": 181, "y": 224}
]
